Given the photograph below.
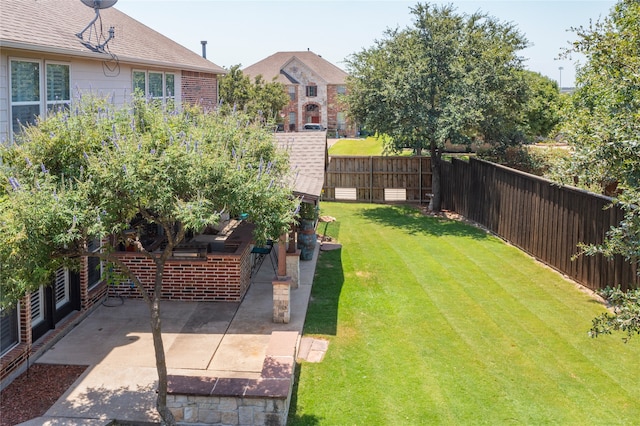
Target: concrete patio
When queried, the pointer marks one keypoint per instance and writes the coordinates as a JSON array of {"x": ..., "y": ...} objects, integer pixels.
[{"x": 205, "y": 340}]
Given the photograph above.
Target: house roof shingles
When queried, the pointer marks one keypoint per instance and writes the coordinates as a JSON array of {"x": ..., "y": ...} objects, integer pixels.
[
  {"x": 307, "y": 158},
  {"x": 51, "y": 26},
  {"x": 273, "y": 65}
]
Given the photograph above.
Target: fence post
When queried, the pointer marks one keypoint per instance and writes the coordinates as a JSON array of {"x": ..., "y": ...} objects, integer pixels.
[{"x": 370, "y": 179}]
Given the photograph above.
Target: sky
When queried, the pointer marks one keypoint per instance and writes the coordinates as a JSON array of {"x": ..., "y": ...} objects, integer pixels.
[{"x": 245, "y": 32}]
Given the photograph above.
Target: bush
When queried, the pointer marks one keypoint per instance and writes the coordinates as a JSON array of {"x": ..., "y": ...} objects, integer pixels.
[{"x": 531, "y": 159}]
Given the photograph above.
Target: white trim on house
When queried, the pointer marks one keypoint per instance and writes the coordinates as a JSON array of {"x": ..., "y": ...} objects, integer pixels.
[{"x": 48, "y": 50}]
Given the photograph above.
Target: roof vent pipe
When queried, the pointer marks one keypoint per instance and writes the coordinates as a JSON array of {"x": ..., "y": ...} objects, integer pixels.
[{"x": 204, "y": 48}]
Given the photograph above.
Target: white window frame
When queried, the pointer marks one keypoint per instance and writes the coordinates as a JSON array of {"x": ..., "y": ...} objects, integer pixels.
[
  {"x": 43, "y": 103},
  {"x": 61, "y": 283},
  {"x": 16, "y": 312},
  {"x": 37, "y": 102},
  {"x": 165, "y": 97},
  {"x": 39, "y": 318},
  {"x": 56, "y": 102}
]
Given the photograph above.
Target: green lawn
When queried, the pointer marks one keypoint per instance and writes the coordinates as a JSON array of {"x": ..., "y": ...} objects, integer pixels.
[
  {"x": 435, "y": 322},
  {"x": 365, "y": 147},
  {"x": 368, "y": 146}
]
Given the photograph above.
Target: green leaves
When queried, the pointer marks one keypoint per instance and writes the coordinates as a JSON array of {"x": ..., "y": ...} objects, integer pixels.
[
  {"x": 625, "y": 316},
  {"x": 87, "y": 173},
  {"x": 259, "y": 99},
  {"x": 450, "y": 77},
  {"x": 602, "y": 124},
  {"x": 602, "y": 121}
]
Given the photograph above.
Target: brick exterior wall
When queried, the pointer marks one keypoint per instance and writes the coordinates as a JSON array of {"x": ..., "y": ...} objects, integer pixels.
[
  {"x": 220, "y": 277},
  {"x": 199, "y": 88},
  {"x": 16, "y": 361},
  {"x": 329, "y": 106}
]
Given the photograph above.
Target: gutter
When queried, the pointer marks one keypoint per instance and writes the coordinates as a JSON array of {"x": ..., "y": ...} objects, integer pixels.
[{"x": 8, "y": 44}]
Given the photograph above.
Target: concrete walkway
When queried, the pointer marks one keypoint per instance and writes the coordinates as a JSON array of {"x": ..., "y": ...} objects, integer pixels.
[{"x": 203, "y": 339}]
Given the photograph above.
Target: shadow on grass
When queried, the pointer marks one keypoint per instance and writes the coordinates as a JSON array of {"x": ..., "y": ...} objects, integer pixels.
[
  {"x": 293, "y": 419},
  {"x": 413, "y": 222},
  {"x": 322, "y": 313}
]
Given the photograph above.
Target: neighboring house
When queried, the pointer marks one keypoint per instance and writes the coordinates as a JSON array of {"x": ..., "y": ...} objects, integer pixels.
[
  {"x": 313, "y": 85},
  {"x": 44, "y": 65}
]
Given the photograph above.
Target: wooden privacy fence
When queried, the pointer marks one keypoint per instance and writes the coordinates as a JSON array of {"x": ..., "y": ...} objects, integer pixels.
[
  {"x": 378, "y": 179},
  {"x": 546, "y": 220}
]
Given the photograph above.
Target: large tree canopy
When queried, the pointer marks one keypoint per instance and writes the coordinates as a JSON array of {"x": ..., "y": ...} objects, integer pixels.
[
  {"x": 259, "y": 97},
  {"x": 541, "y": 110},
  {"x": 450, "y": 77},
  {"x": 85, "y": 174},
  {"x": 602, "y": 124}
]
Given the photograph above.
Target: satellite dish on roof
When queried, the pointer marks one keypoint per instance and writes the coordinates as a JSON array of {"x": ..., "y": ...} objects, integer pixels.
[
  {"x": 99, "y": 4},
  {"x": 100, "y": 44}
]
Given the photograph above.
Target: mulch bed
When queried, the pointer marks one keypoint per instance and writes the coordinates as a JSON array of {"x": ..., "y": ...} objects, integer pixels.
[{"x": 32, "y": 393}]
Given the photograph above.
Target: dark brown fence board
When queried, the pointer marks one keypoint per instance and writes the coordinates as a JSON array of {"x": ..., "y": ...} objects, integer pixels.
[{"x": 546, "y": 220}]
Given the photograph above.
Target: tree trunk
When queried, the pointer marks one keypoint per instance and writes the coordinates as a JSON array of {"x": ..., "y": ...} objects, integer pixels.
[
  {"x": 436, "y": 200},
  {"x": 158, "y": 345}
]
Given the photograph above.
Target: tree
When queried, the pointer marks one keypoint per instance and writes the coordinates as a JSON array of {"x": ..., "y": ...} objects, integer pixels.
[
  {"x": 602, "y": 124},
  {"x": 449, "y": 78},
  {"x": 85, "y": 174},
  {"x": 235, "y": 89},
  {"x": 541, "y": 110},
  {"x": 257, "y": 98},
  {"x": 602, "y": 121}
]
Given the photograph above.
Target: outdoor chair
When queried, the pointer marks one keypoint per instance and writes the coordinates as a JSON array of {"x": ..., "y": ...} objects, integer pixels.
[{"x": 259, "y": 254}]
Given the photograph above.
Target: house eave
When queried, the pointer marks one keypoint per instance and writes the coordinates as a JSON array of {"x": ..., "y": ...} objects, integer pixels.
[
  {"x": 16, "y": 45},
  {"x": 8, "y": 44},
  {"x": 160, "y": 64}
]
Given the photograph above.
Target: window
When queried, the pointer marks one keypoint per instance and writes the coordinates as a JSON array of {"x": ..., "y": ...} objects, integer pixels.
[
  {"x": 94, "y": 264},
  {"x": 292, "y": 121},
  {"x": 292, "y": 93},
  {"x": 25, "y": 93},
  {"x": 170, "y": 86},
  {"x": 28, "y": 100},
  {"x": 342, "y": 122},
  {"x": 58, "y": 91},
  {"x": 342, "y": 90},
  {"x": 9, "y": 336},
  {"x": 37, "y": 306},
  {"x": 155, "y": 85},
  {"x": 140, "y": 81},
  {"x": 156, "y": 90},
  {"x": 312, "y": 91},
  {"x": 61, "y": 287}
]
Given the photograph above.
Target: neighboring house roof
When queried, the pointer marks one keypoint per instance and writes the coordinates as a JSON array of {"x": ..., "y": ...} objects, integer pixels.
[
  {"x": 51, "y": 26},
  {"x": 308, "y": 160},
  {"x": 274, "y": 66}
]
